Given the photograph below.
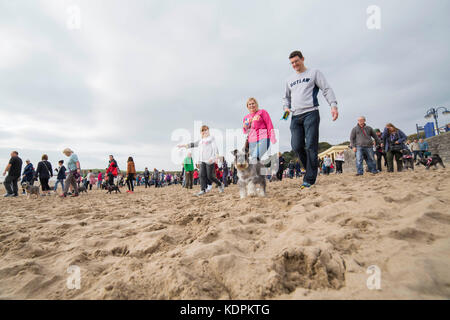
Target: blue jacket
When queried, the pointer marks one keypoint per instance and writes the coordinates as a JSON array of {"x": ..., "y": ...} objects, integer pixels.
[
  {"x": 423, "y": 146},
  {"x": 28, "y": 172},
  {"x": 386, "y": 139}
]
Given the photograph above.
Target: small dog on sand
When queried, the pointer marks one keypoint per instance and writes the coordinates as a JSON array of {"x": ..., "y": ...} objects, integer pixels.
[
  {"x": 408, "y": 160},
  {"x": 31, "y": 189},
  {"x": 82, "y": 189},
  {"x": 112, "y": 188},
  {"x": 250, "y": 181},
  {"x": 432, "y": 161}
]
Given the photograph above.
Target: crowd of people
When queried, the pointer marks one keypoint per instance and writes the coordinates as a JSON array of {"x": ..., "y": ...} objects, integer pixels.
[{"x": 299, "y": 100}]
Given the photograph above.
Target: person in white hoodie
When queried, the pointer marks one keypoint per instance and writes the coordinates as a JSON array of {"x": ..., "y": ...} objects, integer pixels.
[{"x": 209, "y": 154}]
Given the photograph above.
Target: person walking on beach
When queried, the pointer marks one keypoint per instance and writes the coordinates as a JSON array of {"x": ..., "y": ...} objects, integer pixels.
[
  {"x": 225, "y": 172},
  {"x": 61, "y": 171},
  {"x": 188, "y": 166},
  {"x": 112, "y": 170},
  {"x": 259, "y": 130},
  {"x": 393, "y": 141},
  {"x": 281, "y": 162},
  {"x": 14, "y": 168},
  {"x": 362, "y": 144},
  {"x": 146, "y": 178},
  {"x": 44, "y": 173},
  {"x": 415, "y": 148},
  {"x": 195, "y": 176},
  {"x": 423, "y": 145},
  {"x": 73, "y": 165},
  {"x": 327, "y": 165},
  {"x": 208, "y": 153},
  {"x": 28, "y": 174},
  {"x": 379, "y": 151},
  {"x": 155, "y": 177},
  {"x": 340, "y": 159},
  {"x": 300, "y": 98},
  {"x": 291, "y": 167},
  {"x": 131, "y": 172},
  {"x": 99, "y": 180},
  {"x": 91, "y": 179}
]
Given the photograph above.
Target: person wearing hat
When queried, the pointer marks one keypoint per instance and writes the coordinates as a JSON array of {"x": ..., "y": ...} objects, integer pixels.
[
  {"x": 28, "y": 174},
  {"x": 73, "y": 166}
]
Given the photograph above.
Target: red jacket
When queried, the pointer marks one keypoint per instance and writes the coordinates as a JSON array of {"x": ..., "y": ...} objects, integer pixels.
[
  {"x": 195, "y": 174},
  {"x": 112, "y": 168}
]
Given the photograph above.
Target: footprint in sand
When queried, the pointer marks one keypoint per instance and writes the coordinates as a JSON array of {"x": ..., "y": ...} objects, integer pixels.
[{"x": 413, "y": 235}]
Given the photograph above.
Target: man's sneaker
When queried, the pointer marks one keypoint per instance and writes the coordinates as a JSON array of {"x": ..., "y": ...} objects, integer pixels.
[
  {"x": 209, "y": 188},
  {"x": 305, "y": 185},
  {"x": 221, "y": 188},
  {"x": 200, "y": 193},
  {"x": 74, "y": 195},
  {"x": 8, "y": 195},
  {"x": 358, "y": 174}
]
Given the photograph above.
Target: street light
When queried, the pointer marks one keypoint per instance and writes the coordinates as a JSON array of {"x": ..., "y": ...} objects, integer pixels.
[{"x": 433, "y": 112}]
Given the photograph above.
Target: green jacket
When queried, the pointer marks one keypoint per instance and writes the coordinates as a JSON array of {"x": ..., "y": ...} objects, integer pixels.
[{"x": 188, "y": 164}]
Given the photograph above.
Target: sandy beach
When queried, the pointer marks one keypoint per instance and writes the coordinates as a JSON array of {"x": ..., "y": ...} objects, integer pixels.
[{"x": 294, "y": 244}]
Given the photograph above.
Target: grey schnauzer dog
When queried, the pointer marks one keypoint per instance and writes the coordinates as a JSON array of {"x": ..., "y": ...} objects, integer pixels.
[
  {"x": 250, "y": 182},
  {"x": 31, "y": 189}
]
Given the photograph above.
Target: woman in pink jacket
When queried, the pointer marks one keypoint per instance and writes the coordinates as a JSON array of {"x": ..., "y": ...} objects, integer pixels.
[{"x": 258, "y": 126}]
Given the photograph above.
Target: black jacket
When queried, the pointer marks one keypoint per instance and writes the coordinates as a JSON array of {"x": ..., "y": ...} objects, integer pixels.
[{"x": 44, "y": 170}]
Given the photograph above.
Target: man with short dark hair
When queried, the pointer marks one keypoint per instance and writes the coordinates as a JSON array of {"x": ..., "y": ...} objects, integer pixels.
[
  {"x": 300, "y": 98},
  {"x": 14, "y": 168},
  {"x": 362, "y": 144}
]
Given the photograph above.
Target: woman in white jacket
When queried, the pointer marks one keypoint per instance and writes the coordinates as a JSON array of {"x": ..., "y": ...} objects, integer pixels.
[{"x": 209, "y": 154}]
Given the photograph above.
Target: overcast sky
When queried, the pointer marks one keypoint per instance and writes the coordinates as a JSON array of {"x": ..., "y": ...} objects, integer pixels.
[{"x": 137, "y": 71}]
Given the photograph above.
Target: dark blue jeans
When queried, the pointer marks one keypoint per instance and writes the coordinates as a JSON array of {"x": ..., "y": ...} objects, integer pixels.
[{"x": 305, "y": 142}]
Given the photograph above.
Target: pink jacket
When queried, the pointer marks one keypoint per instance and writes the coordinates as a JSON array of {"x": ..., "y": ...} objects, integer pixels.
[{"x": 261, "y": 128}]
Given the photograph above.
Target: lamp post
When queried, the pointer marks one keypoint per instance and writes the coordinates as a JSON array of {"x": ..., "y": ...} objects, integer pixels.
[{"x": 433, "y": 112}]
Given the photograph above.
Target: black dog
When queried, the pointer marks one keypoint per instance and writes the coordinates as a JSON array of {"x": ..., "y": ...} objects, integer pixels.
[
  {"x": 82, "y": 189},
  {"x": 112, "y": 188},
  {"x": 432, "y": 161},
  {"x": 408, "y": 160}
]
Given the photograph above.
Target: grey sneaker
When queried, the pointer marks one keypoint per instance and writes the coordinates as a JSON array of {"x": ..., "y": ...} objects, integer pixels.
[
  {"x": 221, "y": 188},
  {"x": 200, "y": 193},
  {"x": 209, "y": 188}
]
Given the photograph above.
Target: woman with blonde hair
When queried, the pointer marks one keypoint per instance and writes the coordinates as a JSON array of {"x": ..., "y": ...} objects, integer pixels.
[
  {"x": 393, "y": 142},
  {"x": 259, "y": 129},
  {"x": 209, "y": 154}
]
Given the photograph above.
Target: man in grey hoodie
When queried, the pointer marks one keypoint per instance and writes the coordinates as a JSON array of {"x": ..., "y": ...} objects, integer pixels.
[
  {"x": 300, "y": 98},
  {"x": 362, "y": 143}
]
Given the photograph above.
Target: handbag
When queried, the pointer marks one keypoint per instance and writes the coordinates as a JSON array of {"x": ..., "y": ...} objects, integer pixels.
[{"x": 395, "y": 147}]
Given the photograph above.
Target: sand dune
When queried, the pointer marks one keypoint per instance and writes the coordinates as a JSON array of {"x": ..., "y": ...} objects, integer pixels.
[{"x": 168, "y": 244}]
